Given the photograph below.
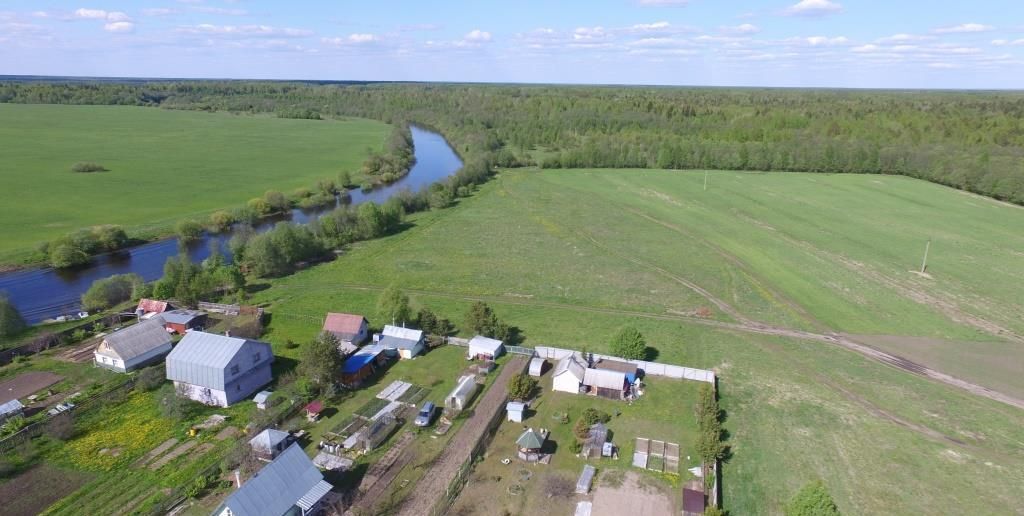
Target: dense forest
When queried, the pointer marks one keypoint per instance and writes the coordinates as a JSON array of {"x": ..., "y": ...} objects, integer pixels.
[{"x": 968, "y": 140}]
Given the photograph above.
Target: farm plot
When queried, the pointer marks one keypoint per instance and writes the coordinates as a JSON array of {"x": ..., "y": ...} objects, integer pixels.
[
  {"x": 25, "y": 384},
  {"x": 34, "y": 490}
]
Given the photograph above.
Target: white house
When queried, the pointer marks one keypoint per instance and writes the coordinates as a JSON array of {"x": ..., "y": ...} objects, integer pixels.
[
  {"x": 289, "y": 486},
  {"x": 405, "y": 342},
  {"x": 568, "y": 375},
  {"x": 462, "y": 395},
  {"x": 219, "y": 370},
  {"x": 484, "y": 348},
  {"x": 135, "y": 346}
]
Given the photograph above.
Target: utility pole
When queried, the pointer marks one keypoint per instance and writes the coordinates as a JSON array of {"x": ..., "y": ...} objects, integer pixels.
[
  {"x": 924, "y": 264},
  {"x": 705, "y": 180}
]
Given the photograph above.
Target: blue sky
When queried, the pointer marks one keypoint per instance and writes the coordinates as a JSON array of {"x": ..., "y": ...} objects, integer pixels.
[{"x": 830, "y": 43}]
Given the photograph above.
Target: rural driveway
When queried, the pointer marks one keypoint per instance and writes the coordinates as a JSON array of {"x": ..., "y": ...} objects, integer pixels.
[{"x": 442, "y": 472}]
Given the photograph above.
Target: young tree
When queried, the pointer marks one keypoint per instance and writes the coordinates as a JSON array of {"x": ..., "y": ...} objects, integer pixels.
[
  {"x": 483, "y": 321},
  {"x": 629, "y": 343},
  {"x": 320, "y": 360},
  {"x": 426, "y": 320},
  {"x": 393, "y": 306},
  {"x": 107, "y": 292},
  {"x": 812, "y": 500},
  {"x": 11, "y": 321},
  {"x": 521, "y": 387}
]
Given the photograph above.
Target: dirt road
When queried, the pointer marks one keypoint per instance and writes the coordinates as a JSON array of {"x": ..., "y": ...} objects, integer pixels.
[{"x": 441, "y": 473}]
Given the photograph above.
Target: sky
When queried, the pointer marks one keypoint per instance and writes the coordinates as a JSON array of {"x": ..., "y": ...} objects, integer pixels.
[{"x": 788, "y": 43}]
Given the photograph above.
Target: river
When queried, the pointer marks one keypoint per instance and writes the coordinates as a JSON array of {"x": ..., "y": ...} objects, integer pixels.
[{"x": 44, "y": 293}]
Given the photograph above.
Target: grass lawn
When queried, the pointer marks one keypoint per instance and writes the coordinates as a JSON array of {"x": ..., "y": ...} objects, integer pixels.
[
  {"x": 665, "y": 413},
  {"x": 571, "y": 256},
  {"x": 163, "y": 165}
]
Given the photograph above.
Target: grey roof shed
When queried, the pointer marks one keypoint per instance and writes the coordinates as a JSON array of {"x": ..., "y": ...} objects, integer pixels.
[
  {"x": 289, "y": 480},
  {"x": 202, "y": 358},
  {"x": 137, "y": 340}
]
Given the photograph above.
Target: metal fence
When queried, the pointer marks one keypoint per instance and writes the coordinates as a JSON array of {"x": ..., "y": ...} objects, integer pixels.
[{"x": 649, "y": 368}]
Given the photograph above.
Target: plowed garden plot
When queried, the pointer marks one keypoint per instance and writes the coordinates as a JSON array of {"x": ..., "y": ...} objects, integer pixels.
[
  {"x": 34, "y": 490},
  {"x": 25, "y": 384}
]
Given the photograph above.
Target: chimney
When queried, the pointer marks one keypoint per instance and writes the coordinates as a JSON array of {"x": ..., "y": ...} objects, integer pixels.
[
  {"x": 238, "y": 479},
  {"x": 227, "y": 332}
]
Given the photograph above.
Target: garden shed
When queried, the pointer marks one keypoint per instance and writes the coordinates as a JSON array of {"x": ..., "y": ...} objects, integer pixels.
[
  {"x": 605, "y": 383},
  {"x": 261, "y": 399},
  {"x": 313, "y": 410},
  {"x": 462, "y": 395},
  {"x": 627, "y": 368},
  {"x": 516, "y": 411},
  {"x": 11, "y": 409},
  {"x": 269, "y": 443},
  {"x": 597, "y": 437},
  {"x": 568, "y": 376},
  {"x": 360, "y": 366},
  {"x": 181, "y": 321},
  {"x": 484, "y": 348},
  {"x": 586, "y": 479},
  {"x": 537, "y": 366}
]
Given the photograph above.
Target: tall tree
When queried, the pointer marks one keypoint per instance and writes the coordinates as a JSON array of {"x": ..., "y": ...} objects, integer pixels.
[
  {"x": 11, "y": 322},
  {"x": 393, "y": 306},
  {"x": 320, "y": 360}
]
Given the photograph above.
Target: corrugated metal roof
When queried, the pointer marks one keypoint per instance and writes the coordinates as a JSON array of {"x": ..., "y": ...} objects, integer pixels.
[
  {"x": 202, "y": 358},
  {"x": 262, "y": 396},
  {"x": 402, "y": 333},
  {"x": 137, "y": 340},
  {"x": 391, "y": 342},
  {"x": 573, "y": 365},
  {"x": 181, "y": 316},
  {"x": 268, "y": 439},
  {"x": 604, "y": 379},
  {"x": 314, "y": 495},
  {"x": 485, "y": 344},
  {"x": 277, "y": 487},
  {"x": 11, "y": 407}
]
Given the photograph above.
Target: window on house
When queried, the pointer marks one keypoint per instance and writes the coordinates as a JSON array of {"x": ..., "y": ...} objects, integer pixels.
[{"x": 234, "y": 369}]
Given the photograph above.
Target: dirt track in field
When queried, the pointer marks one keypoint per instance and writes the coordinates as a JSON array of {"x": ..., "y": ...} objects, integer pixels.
[{"x": 441, "y": 473}]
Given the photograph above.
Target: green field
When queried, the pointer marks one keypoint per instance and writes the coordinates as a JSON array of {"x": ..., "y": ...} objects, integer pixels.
[
  {"x": 163, "y": 165},
  {"x": 570, "y": 256}
]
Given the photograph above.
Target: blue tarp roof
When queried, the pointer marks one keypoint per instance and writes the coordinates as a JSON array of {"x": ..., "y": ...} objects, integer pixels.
[{"x": 356, "y": 362}]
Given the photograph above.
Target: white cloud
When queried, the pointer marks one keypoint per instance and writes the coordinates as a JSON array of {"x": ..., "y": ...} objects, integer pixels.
[
  {"x": 903, "y": 38},
  {"x": 40, "y": 14},
  {"x": 91, "y": 14},
  {"x": 943, "y": 66},
  {"x": 650, "y": 26},
  {"x": 477, "y": 36},
  {"x": 1004, "y": 42},
  {"x": 159, "y": 11},
  {"x": 814, "y": 8},
  {"x": 362, "y": 38},
  {"x": 743, "y": 28},
  {"x": 964, "y": 28},
  {"x": 205, "y": 9},
  {"x": 119, "y": 26},
  {"x": 589, "y": 33},
  {"x": 817, "y": 41},
  {"x": 663, "y": 3},
  {"x": 117, "y": 16},
  {"x": 245, "y": 31},
  {"x": 866, "y": 49}
]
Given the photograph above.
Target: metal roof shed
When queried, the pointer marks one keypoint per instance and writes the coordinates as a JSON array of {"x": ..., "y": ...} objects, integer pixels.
[
  {"x": 537, "y": 366},
  {"x": 486, "y": 347}
]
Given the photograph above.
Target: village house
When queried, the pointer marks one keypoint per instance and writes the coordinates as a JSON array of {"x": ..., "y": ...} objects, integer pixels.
[
  {"x": 404, "y": 342},
  {"x": 269, "y": 443},
  {"x": 568, "y": 375},
  {"x": 350, "y": 330},
  {"x": 605, "y": 383},
  {"x": 289, "y": 486},
  {"x": 483, "y": 348},
  {"x": 181, "y": 321},
  {"x": 134, "y": 347},
  {"x": 219, "y": 370},
  {"x": 147, "y": 308}
]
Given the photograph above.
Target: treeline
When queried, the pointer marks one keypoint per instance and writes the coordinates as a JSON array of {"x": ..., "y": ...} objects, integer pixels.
[
  {"x": 79, "y": 247},
  {"x": 968, "y": 140}
]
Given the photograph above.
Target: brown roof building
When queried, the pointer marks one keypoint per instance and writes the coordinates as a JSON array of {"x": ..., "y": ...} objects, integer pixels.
[{"x": 350, "y": 329}]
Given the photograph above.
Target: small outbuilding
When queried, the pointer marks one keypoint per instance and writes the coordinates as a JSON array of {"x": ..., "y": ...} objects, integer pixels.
[
  {"x": 530, "y": 444},
  {"x": 360, "y": 366},
  {"x": 462, "y": 395},
  {"x": 10, "y": 410},
  {"x": 484, "y": 348},
  {"x": 134, "y": 347},
  {"x": 516, "y": 411},
  {"x": 586, "y": 479},
  {"x": 313, "y": 410},
  {"x": 597, "y": 437},
  {"x": 269, "y": 443},
  {"x": 147, "y": 308},
  {"x": 261, "y": 399},
  {"x": 568, "y": 376},
  {"x": 605, "y": 383},
  {"x": 627, "y": 368},
  {"x": 537, "y": 366},
  {"x": 404, "y": 342},
  {"x": 181, "y": 321},
  {"x": 351, "y": 330},
  {"x": 693, "y": 502}
]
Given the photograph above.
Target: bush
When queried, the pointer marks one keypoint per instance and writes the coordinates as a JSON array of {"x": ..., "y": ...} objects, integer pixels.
[
  {"x": 150, "y": 379},
  {"x": 521, "y": 387},
  {"x": 220, "y": 221},
  {"x": 575, "y": 446},
  {"x": 629, "y": 343},
  {"x": 259, "y": 207},
  {"x": 110, "y": 238},
  {"x": 812, "y": 500},
  {"x": 87, "y": 166},
  {"x": 276, "y": 201},
  {"x": 188, "y": 230},
  {"x": 107, "y": 292},
  {"x": 11, "y": 321}
]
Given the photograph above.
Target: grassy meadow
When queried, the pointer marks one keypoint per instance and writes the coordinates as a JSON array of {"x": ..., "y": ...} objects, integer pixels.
[
  {"x": 570, "y": 256},
  {"x": 163, "y": 165}
]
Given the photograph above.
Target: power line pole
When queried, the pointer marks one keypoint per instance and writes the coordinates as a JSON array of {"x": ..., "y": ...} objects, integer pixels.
[{"x": 924, "y": 263}]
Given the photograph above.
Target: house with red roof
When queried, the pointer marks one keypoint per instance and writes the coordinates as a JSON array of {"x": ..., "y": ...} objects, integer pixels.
[{"x": 350, "y": 329}]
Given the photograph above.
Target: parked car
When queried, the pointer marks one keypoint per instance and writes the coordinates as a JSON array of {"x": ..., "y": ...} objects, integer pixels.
[{"x": 426, "y": 414}]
